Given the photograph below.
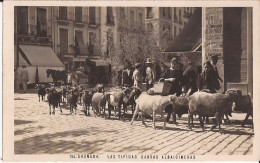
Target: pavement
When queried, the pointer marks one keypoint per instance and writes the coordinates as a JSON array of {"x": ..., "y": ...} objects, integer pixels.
[{"x": 37, "y": 132}]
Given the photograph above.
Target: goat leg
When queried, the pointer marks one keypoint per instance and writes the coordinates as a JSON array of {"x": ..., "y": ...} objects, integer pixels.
[
  {"x": 218, "y": 118},
  {"x": 154, "y": 120},
  {"x": 247, "y": 116},
  {"x": 189, "y": 118},
  {"x": 50, "y": 109},
  {"x": 134, "y": 115},
  {"x": 143, "y": 120},
  {"x": 174, "y": 118},
  {"x": 201, "y": 123},
  {"x": 60, "y": 108}
]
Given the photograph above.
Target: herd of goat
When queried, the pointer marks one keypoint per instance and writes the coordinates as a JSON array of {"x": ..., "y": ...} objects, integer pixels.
[{"x": 201, "y": 103}]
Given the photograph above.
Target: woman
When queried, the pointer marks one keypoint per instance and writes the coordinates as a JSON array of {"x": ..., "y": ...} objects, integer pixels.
[{"x": 174, "y": 76}]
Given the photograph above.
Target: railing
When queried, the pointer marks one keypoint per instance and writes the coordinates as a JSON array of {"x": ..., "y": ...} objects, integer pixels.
[
  {"x": 85, "y": 20},
  {"x": 34, "y": 34}
]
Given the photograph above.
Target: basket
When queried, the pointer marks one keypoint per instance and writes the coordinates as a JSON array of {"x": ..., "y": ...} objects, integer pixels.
[{"x": 162, "y": 88}]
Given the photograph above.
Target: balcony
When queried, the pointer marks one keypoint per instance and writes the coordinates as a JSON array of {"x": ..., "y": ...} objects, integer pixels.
[
  {"x": 63, "y": 20},
  {"x": 33, "y": 34},
  {"x": 175, "y": 19}
]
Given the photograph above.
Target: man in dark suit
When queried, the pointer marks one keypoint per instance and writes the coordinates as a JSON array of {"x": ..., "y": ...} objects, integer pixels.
[
  {"x": 215, "y": 75},
  {"x": 127, "y": 75}
]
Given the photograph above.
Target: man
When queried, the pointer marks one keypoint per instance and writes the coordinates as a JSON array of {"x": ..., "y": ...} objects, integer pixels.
[
  {"x": 149, "y": 75},
  {"x": 189, "y": 79},
  {"x": 215, "y": 75},
  {"x": 24, "y": 78},
  {"x": 127, "y": 75},
  {"x": 137, "y": 76}
]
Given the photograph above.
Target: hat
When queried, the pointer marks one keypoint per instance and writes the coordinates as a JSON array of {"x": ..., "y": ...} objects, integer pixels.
[
  {"x": 137, "y": 65},
  {"x": 174, "y": 59},
  {"x": 149, "y": 60},
  {"x": 214, "y": 56}
]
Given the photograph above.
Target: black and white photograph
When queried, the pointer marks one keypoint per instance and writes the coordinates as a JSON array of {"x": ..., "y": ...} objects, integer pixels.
[{"x": 132, "y": 83}]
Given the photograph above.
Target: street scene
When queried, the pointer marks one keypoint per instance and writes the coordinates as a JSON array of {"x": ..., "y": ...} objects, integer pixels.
[{"x": 146, "y": 81}]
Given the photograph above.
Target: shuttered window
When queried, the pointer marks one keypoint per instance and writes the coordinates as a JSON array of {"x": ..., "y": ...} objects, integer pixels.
[
  {"x": 22, "y": 20},
  {"x": 63, "y": 13},
  {"x": 92, "y": 15},
  {"x": 63, "y": 41},
  {"x": 78, "y": 14},
  {"x": 41, "y": 22}
]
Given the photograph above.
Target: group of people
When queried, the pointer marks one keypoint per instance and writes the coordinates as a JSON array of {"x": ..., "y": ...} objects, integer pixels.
[
  {"x": 136, "y": 77},
  {"x": 182, "y": 81}
]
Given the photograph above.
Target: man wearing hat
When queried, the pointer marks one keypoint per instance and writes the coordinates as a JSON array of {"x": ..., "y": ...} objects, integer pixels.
[
  {"x": 149, "y": 75},
  {"x": 215, "y": 75},
  {"x": 127, "y": 75},
  {"x": 189, "y": 79}
]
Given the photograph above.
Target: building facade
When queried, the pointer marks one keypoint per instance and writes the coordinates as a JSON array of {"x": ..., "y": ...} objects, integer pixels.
[
  {"x": 76, "y": 34},
  {"x": 33, "y": 43},
  {"x": 167, "y": 22}
]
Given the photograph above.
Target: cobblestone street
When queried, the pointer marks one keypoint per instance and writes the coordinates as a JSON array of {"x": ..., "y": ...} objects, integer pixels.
[{"x": 37, "y": 132}]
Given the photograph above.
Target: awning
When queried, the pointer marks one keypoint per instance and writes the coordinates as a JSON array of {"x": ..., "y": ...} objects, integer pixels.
[
  {"x": 190, "y": 37},
  {"x": 100, "y": 62},
  {"x": 36, "y": 55},
  {"x": 83, "y": 49}
]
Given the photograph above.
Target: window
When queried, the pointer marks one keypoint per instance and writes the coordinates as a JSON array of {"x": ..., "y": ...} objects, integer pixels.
[
  {"x": 110, "y": 16},
  {"x": 132, "y": 18},
  {"x": 110, "y": 42},
  {"x": 78, "y": 14},
  {"x": 175, "y": 32},
  {"x": 22, "y": 20},
  {"x": 140, "y": 20},
  {"x": 63, "y": 41},
  {"x": 92, "y": 15},
  {"x": 169, "y": 12},
  {"x": 63, "y": 13},
  {"x": 180, "y": 19},
  {"x": 175, "y": 15},
  {"x": 92, "y": 41},
  {"x": 149, "y": 13},
  {"x": 41, "y": 22},
  {"x": 164, "y": 11}
]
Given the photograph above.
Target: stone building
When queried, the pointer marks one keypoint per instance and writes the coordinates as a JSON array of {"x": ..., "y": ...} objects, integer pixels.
[
  {"x": 76, "y": 34},
  {"x": 167, "y": 22},
  {"x": 33, "y": 42},
  {"x": 227, "y": 32}
]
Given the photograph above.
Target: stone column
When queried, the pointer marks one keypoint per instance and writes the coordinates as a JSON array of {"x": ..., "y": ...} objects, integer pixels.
[{"x": 212, "y": 37}]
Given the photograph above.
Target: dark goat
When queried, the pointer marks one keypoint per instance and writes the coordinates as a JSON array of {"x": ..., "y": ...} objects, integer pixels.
[
  {"x": 41, "y": 91},
  {"x": 243, "y": 103},
  {"x": 73, "y": 99},
  {"x": 54, "y": 98},
  {"x": 130, "y": 97},
  {"x": 87, "y": 97}
]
